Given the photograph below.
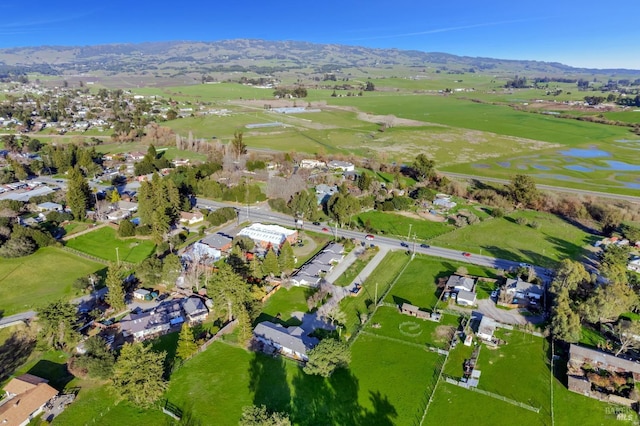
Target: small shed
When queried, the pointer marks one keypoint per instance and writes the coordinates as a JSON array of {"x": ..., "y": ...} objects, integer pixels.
[{"x": 141, "y": 294}]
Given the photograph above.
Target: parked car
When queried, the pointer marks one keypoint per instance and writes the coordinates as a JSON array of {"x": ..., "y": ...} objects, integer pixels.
[
  {"x": 325, "y": 229},
  {"x": 494, "y": 294},
  {"x": 424, "y": 245},
  {"x": 368, "y": 237},
  {"x": 466, "y": 254},
  {"x": 403, "y": 244},
  {"x": 316, "y": 223},
  {"x": 524, "y": 265}
]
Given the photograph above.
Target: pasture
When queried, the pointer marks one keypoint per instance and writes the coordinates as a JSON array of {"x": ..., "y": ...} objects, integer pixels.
[
  {"x": 104, "y": 243},
  {"x": 392, "y": 224},
  {"x": 504, "y": 238},
  {"x": 32, "y": 281}
]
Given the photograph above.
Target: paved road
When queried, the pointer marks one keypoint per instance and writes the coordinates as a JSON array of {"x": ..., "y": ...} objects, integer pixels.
[
  {"x": 631, "y": 198},
  {"x": 260, "y": 213},
  {"x": 13, "y": 319}
]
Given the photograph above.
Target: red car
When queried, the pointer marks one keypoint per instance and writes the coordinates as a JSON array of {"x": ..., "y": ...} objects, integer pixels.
[
  {"x": 466, "y": 254},
  {"x": 368, "y": 237},
  {"x": 325, "y": 229}
]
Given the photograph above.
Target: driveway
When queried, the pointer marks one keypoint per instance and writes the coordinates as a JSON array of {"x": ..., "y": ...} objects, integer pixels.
[{"x": 512, "y": 316}]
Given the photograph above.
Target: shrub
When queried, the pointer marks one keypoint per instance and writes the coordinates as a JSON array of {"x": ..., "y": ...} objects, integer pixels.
[
  {"x": 497, "y": 212},
  {"x": 126, "y": 229},
  {"x": 522, "y": 221}
]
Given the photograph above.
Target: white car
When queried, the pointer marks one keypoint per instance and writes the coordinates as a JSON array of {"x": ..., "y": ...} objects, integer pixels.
[
  {"x": 494, "y": 294},
  {"x": 524, "y": 265}
]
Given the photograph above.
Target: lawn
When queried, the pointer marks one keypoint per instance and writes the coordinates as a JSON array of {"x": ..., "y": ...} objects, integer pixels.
[
  {"x": 518, "y": 370},
  {"x": 32, "y": 281},
  {"x": 103, "y": 243},
  {"x": 379, "y": 222},
  {"x": 554, "y": 240},
  {"x": 382, "y": 278},
  {"x": 455, "y": 405},
  {"x": 418, "y": 283},
  {"x": 391, "y": 323},
  {"x": 281, "y": 305}
]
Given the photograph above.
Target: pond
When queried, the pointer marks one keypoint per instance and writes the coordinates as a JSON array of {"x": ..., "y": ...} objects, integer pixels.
[
  {"x": 585, "y": 153},
  {"x": 578, "y": 168},
  {"x": 619, "y": 165}
]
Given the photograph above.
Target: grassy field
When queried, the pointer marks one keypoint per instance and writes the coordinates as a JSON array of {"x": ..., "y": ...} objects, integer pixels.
[
  {"x": 104, "y": 244},
  {"x": 397, "y": 225},
  {"x": 524, "y": 356},
  {"x": 280, "y": 306},
  {"x": 418, "y": 283},
  {"x": 32, "y": 281},
  {"x": 553, "y": 241},
  {"x": 383, "y": 276},
  {"x": 391, "y": 323}
]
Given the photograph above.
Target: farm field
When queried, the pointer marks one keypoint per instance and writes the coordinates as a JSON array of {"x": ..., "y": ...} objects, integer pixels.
[
  {"x": 397, "y": 225},
  {"x": 104, "y": 244},
  {"x": 554, "y": 240},
  {"x": 32, "y": 281},
  {"x": 418, "y": 284}
]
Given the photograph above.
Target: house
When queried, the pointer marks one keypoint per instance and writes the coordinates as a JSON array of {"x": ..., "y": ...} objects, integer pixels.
[
  {"x": 344, "y": 166},
  {"x": 324, "y": 192},
  {"x": 25, "y": 398},
  {"x": 519, "y": 289},
  {"x": 302, "y": 278},
  {"x": 466, "y": 298},
  {"x": 312, "y": 164},
  {"x": 118, "y": 215},
  {"x": 188, "y": 218},
  {"x": 486, "y": 328},
  {"x": 457, "y": 282},
  {"x": 49, "y": 207},
  {"x": 199, "y": 252},
  {"x": 195, "y": 310},
  {"x": 444, "y": 201},
  {"x": 141, "y": 294},
  {"x": 218, "y": 241},
  {"x": 136, "y": 156},
  {"x": 152, "y": 323},
  {"x": 583, "y": 360},
  {"x": 634, "y": 264},
  {"x": 127, "y": 206},
  {"x": 269, "y": 236},
  {"x": 291, "y": 342}
]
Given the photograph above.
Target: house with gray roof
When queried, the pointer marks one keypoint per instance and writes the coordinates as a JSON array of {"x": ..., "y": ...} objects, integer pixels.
[
  {"x": 195, "y": 310},
  {"x": 457, "y": 282},
  {"x": 154, "y": 322},
  {"x": 522, "y": 289},
  {"x": 289, "y": 341},
  {"x": 466, "y": 298}
]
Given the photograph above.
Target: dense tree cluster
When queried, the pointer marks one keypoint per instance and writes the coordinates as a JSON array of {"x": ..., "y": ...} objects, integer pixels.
[{"x": 138, "y": 374}]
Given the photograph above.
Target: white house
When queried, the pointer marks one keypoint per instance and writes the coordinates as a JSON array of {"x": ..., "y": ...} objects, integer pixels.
[
  {"x": 344, "y": 166},
  {"x": 486, "y": 328},
  {"x": 634, "y": 264},
  {"x": 49, "y": 206},
  {"x": 466, "y": 298},
  {"x": 522, "y": 289},
  {"x": 460, "y": 283},
  {"x": 141, "y": 293},
  {"x": 269, "y": 236},
  {"x": 189, "y": 218}
]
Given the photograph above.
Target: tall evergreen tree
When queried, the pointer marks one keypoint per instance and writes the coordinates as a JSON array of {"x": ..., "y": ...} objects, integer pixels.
[
  {"x": 58, "y": 320},
  {"x": 78, "y": 194},
  {"x": 115, "y": 296},
  {"x": 270, "y": 264},
  {"x": 286, "y": 258},
  {"x": 186, "y": 343},
  {"x": 137, "y": 375}
]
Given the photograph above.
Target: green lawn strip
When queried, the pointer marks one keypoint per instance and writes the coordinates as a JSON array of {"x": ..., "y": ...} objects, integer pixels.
[
  {"x": 98, "y": 404},
  {"x": 397, "y": 225},
  {"x": 103, "y": 243},
  {"x": 280, "y": 306},
  {"x": 554, "y": 240},
  {"x": 518, "y": 370},
  {"x": 391, "y": 323},
  {"x": 418, "y": 283},
  {"x": 399, "y": 375},
  {"x": 383, "y": 276},
  {"x": 351, "y": 273},
  {"x": 591, "y": 337},
  {"x": 75, "y": 227},
  {"x": 50, "y": 365},
  {"x": 455, "y": 405},
  {"x": 455, "y": 361},
  {"x": 35, "y": 280}
]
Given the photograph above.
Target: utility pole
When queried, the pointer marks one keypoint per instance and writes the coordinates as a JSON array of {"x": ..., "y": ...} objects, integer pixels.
[
  {"x": 409, "y": 234},
  {"x": 413, "y": 255},
  {"x": 376, "y": 298}
]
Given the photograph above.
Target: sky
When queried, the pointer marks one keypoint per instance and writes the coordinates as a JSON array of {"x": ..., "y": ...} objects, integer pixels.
[{"x": 572, "y": 32}]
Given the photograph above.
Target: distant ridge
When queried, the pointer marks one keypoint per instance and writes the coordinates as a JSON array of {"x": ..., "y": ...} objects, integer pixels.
[{"x": 261, "y": 56}]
